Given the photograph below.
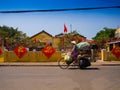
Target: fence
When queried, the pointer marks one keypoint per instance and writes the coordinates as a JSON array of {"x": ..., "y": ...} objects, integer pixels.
[
  {"x": 29, "y": 57},
  {"x": 10, "y": 56},
  {"x": 108, "y": 56}
]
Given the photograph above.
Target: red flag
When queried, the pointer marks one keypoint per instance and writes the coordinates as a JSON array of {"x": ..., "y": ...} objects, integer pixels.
[{"x": 65, "y": 28}]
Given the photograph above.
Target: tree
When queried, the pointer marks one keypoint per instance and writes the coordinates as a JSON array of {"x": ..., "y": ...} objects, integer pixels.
[
  {"x": 103, "y": 35},
  {"x": 66, "y": 39},
  {"x": 12, "y": 36},
  {"x": 76, "y": 36}
]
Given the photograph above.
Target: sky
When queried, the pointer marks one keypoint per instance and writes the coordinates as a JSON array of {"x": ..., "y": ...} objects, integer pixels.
[{"x": 85, "y": 22}]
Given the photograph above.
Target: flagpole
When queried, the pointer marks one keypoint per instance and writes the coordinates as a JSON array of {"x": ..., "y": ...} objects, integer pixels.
[
  {"x": 65, "y": 32},
  {"x": 70, "y": 27}
]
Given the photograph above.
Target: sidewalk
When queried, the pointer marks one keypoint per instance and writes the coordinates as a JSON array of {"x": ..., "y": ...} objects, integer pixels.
[
  {"x": 106, "y": 63},
  {"x": 97, "y": 63},
  {"x": 29, "y": 64}
]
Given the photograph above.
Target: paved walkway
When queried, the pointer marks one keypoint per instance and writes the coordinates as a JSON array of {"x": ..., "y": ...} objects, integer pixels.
[
  {"x": 97, "y": 63},
  {"x": 106, "y": 63}
]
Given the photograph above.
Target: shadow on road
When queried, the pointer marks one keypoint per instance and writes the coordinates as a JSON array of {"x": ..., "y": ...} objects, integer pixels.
[{"x": 89, "y": 68}]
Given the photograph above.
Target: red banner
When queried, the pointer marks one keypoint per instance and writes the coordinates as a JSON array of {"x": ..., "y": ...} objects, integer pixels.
[
  {"x": 116, "y": 51},
  {"x": 0, "y": 51},
  {"x": 20, "y": 51},
  {"x": 48, "y": 51}
]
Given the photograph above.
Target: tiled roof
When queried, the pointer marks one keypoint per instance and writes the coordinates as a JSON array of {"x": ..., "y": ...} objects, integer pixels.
[{"x": 40, "y": 33}]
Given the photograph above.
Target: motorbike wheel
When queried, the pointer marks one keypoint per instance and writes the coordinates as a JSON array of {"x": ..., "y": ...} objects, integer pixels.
[
  {"x": 62, "y": 64},
  {"x": 84, "y": 62}
]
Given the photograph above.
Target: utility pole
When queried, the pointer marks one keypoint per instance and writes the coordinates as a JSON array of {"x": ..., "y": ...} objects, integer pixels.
[{"x": 70, "y": 27}]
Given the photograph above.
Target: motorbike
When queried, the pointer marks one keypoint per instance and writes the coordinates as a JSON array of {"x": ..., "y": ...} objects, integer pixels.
[{"x": 82, "y": 61}]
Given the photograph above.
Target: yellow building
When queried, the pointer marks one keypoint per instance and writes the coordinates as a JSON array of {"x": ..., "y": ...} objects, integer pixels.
[
  {"x": 42, "y": 37},
  {"x": 57, "y": 41},
  {"x": 45, "y": 38},
  {"x": 110, "y": 45},
  {"x": 113, "y": 47},
  {"x": 117, "y": 33}
]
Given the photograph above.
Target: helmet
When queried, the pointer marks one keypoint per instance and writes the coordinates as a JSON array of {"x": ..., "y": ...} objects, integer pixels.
[{"x": 73, "y": 42}]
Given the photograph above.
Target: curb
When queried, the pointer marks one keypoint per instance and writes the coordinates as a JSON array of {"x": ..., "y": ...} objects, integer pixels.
[
  {"x": 110, "y": 64},
  {"x": 28, "y": 64},
  {"x": 106, "y": 63},
  {"x": 55, "y": 64}
]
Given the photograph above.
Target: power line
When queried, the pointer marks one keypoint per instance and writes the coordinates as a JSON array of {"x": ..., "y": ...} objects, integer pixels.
[
  {"x": 111, "y": 1},
  {"x": 58, "y": 10}
]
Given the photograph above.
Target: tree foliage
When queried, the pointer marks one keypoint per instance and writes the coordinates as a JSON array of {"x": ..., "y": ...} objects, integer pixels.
[
  {"x": 12, "y": 35},
  {"x": 104, "y": 35},
  {"x": 66, "y": 39},
  {"x": 10, "y": 32}
]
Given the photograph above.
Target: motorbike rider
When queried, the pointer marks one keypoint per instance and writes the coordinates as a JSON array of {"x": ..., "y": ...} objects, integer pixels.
[{"x": 74, "y": 50}]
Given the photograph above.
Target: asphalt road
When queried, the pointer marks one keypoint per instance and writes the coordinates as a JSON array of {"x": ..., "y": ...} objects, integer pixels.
[{"x": 54, "y": 78}]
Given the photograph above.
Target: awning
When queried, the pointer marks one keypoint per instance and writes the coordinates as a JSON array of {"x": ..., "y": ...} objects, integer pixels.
[{"x": 113, "y": 42}]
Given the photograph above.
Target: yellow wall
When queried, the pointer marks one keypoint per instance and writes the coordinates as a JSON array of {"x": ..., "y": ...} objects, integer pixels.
[
  {"x": 40, "y": 57},
  {"x": 2, "y": 57},
  {"x": 31, "y": 57},
  {"x": 112, "y": 57},
  {"x": 108, "y": 56},
  {"x": 56, "y": 42}
]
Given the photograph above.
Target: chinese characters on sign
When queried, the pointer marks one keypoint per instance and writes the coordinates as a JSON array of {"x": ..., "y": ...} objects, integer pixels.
[
  {"x": 20, "y": 51},
  {"x": 116, "y": 51},
  {"x": 48, "y": 51}
]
